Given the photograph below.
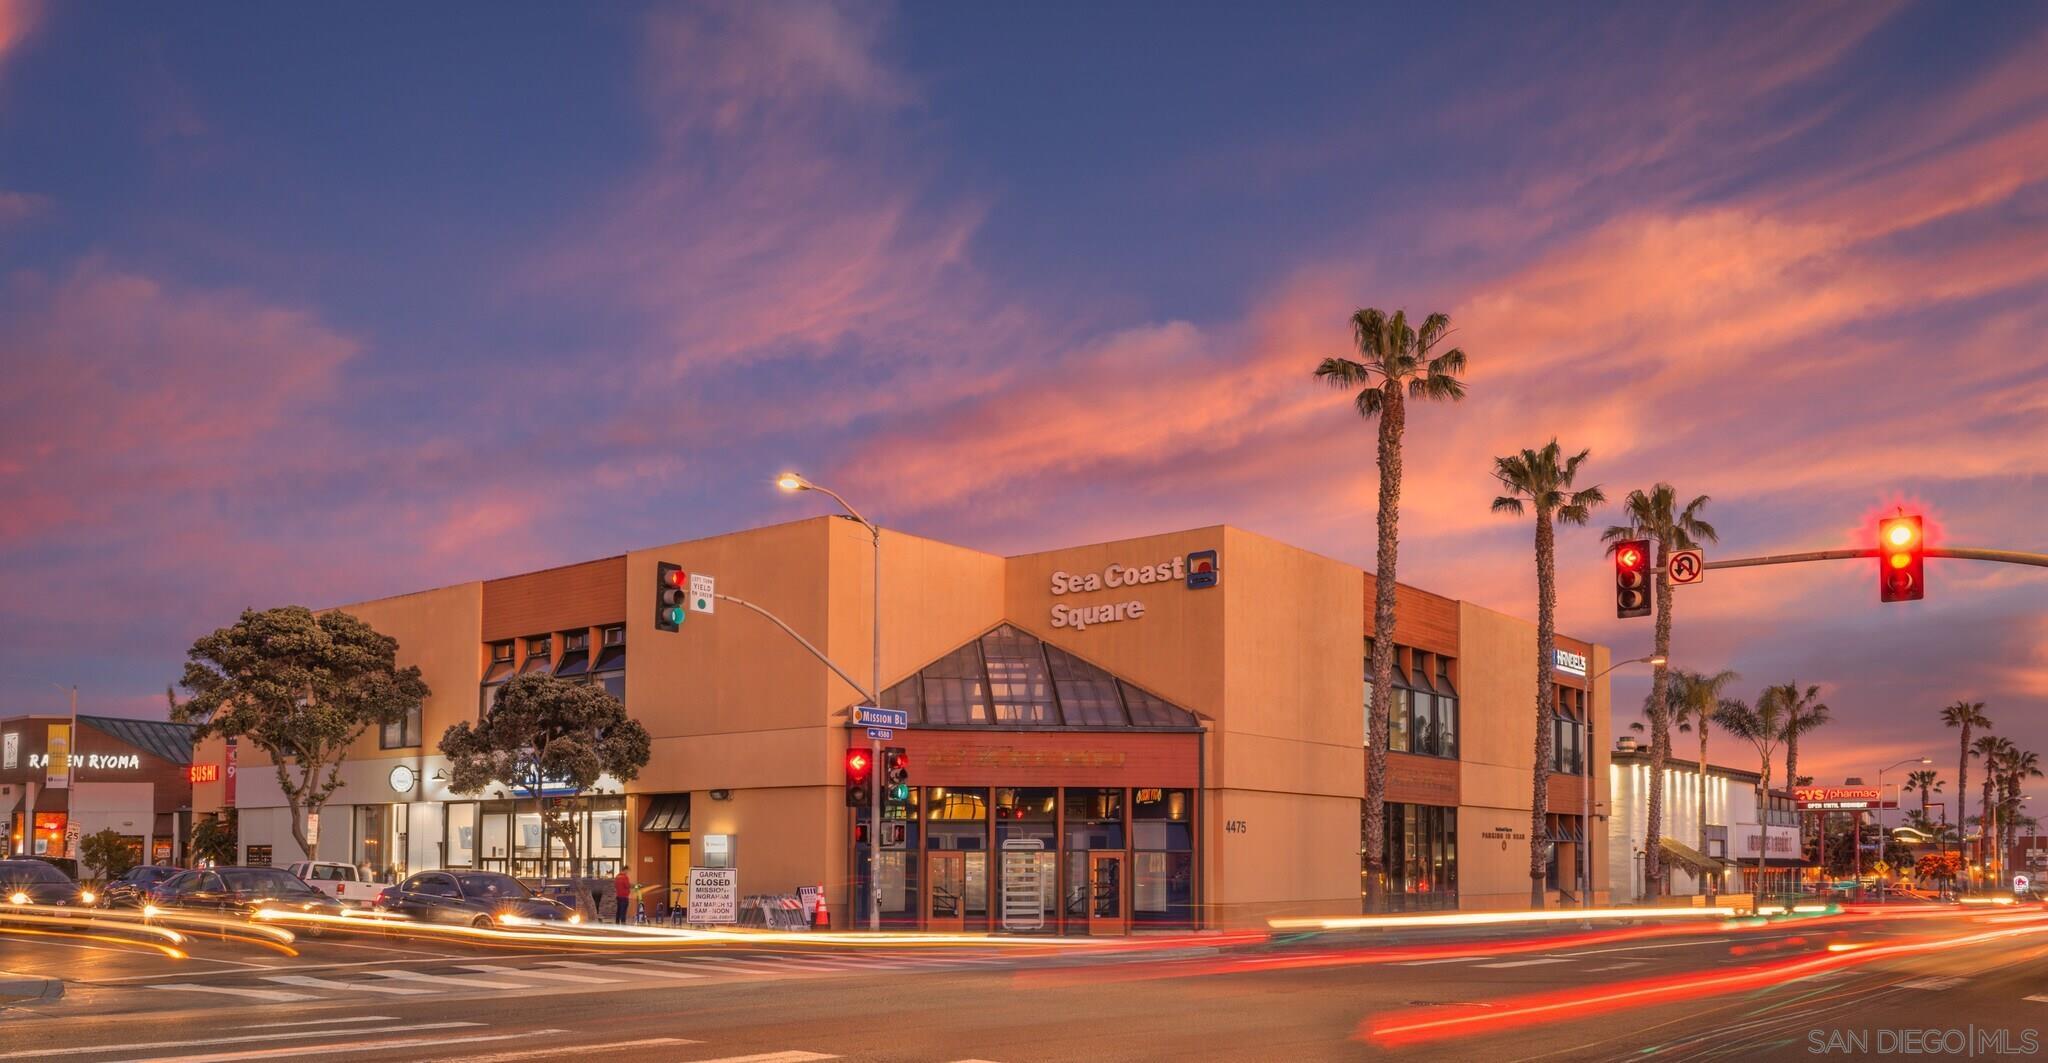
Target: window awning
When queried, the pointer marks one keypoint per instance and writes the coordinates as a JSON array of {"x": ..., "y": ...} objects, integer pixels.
[
  {"x": 1689, "y": 858},
  {"x": 667, "y": 812}
]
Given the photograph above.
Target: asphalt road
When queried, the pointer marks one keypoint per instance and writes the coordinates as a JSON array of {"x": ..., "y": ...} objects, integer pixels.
[{"x": 1852, "y": 986}]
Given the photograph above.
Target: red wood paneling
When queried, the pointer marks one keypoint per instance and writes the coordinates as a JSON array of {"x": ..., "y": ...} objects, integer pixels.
[
  {"x": 1056, "y": 758},
  {"x": 1421, "y": 619},
  {"x": 1416, "y": 780},
  {"x": 591, "y": 594}
]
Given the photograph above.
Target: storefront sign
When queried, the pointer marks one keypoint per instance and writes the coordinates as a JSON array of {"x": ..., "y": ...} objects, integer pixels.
[
  {"x": 93, "y": 761},
  {"x": 1195, "y": 571},
  {"x": 1839, "y": 798},
  {"x": 227, "y": 786},
  {"x": 1751, "y": 841},
  {"x": 11, "y": 758},
  {"x": 160, "y": 851},
  {"x": 1021, "y": 758},
  {"x": 1571, "y": 663},
  {"x": 58, "y": 758},
  {"x": 714, "y": 896},
  {"x": 203, "y": 773}
]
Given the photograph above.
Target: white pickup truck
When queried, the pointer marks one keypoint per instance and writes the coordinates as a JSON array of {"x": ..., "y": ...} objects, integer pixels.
[{"x": 343, "y": 882}]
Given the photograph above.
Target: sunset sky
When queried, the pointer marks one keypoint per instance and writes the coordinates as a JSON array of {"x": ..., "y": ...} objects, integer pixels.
[{"x": 314, "y": 305}]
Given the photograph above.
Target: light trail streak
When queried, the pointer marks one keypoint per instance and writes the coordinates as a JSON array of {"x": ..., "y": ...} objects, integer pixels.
[
  {"x": 1438, "y": 1023},
  {"x": 22, "y": 931},
  {"x": 1455, "y": 919}
]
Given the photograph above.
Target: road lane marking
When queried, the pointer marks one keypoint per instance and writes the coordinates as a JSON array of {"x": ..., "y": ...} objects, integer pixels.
[
  {"x": 657, "y": 968},
  {"x": 1539, "y": 961},
  {"x": 528, "y": 972},
  {"x": 447, "y": 980},
  {"x": 274, "y": 996},
  {"x": 770, "y": 1057},
  {"x": 1447, "y": 959},
  {"x": 316, "y": 966},
  {"x": 1641, "y": 948},
  {"x": 1617, "y": 966},
  {"x": 607, "y": 1046},
  {"x": 310, "y": 982},
  {"x": 338, "y": 1048},
  {"x": 319, "y": 1022},
  {"x": 83, "y": 1050},
  {"x": 1933, "y": 983}
]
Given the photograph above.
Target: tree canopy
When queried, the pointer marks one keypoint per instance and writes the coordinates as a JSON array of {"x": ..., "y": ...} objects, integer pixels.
[
  {"x": 545, "y": 728},
  {"x": 300, "y": 687}
]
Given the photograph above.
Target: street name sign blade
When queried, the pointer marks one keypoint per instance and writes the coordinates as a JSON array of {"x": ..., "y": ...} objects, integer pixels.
[
  {"x": 880, "y": 734},
  {"x": 703, "y": 593},
  {"x": 1687, "y": 566},
  {"x": 870, "y": 716}
]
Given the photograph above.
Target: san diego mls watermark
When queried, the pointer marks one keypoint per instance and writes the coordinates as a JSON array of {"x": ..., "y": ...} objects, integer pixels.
[{"x": 1954, "y": 1042}]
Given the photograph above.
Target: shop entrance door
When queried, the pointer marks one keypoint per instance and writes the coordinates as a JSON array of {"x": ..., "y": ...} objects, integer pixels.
[
  {"x": 1106, "y": 893},
  {"x": 946, "y": 892}
]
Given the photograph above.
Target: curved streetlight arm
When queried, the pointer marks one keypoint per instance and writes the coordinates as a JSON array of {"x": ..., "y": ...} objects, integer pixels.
[
  {"x": 802, "y": 641},
  {"x": 804, "y": 484}
]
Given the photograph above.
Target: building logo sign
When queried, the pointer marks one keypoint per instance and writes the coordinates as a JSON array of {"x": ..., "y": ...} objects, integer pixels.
[
  {"x": 1839, "y": 798},
  {"x": 1570, "y": 663},
  {"x": 12, "y": 757},
  {"x": 203, "y": 773},
  {"x": 1195, "y": 570},
  {"x": 57, "y": 760}
]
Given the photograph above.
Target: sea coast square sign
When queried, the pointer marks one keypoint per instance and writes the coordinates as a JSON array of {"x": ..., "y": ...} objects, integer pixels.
[{"x": 1197, "y": 570}]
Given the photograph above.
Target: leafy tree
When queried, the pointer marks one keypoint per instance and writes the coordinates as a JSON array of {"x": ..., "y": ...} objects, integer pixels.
[
  {"x": 213, "y": 839},
  {"x": 547, "y": 731},
  {"x": 1696, "y": 704},
  {"x": 109, "y": 853},
  {"x": 301, "y": 688},
  {"x": 1938, "y": 867},
  {"x": 1543, "y": 479},
  {"x": 1965, "y": 716},
  {"x": 1764, "y": 727},
  {"x": 1656, "y": 515},
  {"x": 1395, "y": 363}
]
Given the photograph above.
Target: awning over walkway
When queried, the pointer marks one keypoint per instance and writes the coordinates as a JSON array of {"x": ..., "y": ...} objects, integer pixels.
[
  {"x": 667, "y": 812},
  {"x": 1689, "y": 858}
]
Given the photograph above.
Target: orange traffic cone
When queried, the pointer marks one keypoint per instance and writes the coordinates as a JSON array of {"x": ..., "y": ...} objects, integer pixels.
[{"x": 822, "y": 920}]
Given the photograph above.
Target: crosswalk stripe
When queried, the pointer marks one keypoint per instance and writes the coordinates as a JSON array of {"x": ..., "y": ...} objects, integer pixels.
[
  {"x": 82, "y": 1050},
  {"x": 770, "y": 1057},
  {"x": 1932, "y": 983},
  {"x": 1447, "y": 959},
  {"x": 745, "y": 966},
  {"x": 316, "y": 1022},
  {"x": 1525, "y": 963},
  {"x": 528, "y": 972},
  {"x": 275, "y": 996},
  {"x": 449, "y": 980},
  {"x": 563, "y": 1050},
  {"x": 339, "y": 1047},
  {"x": 640, "y": 966},
  {"x": 311, "y": 982}
]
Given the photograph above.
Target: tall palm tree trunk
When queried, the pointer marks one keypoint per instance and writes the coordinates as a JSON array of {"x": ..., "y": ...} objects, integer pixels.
[
  {"x": 1702, "y": 804},
  {"x": 1987, "y": 828},
  {"x": 1963, "y": 788},
  {"x": 1392, "y": 418},
  {"x": 1763, "y": 836},
  {"x": 1546, "y": 656},
  {"x": 1660, "y": 731}
]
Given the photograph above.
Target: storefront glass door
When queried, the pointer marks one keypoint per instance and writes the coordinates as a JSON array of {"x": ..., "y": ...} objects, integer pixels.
[
  {"x": 946, "y": 900},
  {"x": 1106, "y": 893}
]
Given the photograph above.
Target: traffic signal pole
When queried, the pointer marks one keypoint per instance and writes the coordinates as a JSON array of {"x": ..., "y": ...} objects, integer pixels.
[{"x": 1961, "y": 553}]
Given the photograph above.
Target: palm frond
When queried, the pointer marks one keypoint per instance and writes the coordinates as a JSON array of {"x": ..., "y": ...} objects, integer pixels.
[
  {"x": 1370, "y": 402},
  {"x": 1507, "y": 504},
  {"x": 1343, "y": 373}
]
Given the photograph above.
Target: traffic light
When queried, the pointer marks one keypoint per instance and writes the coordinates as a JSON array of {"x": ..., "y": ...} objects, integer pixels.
[
  {"x": 1632, "y": 592},
  {"x": 896, "y": 770},
  {"x": 1901, "y": 560},
  {"x": 859, "y": 766},
  {"x": 671, "y": 590}
]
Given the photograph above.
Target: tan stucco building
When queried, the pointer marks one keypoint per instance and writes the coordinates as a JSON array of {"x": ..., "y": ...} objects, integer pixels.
[{"x": 1162, "y": 731}]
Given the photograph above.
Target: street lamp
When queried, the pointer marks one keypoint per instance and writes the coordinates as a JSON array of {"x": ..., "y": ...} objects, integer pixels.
[
  {"x": 1880, "y": 822},
  {"x": 1587, "y": 751},
  {"x": 794, "y": 482}
]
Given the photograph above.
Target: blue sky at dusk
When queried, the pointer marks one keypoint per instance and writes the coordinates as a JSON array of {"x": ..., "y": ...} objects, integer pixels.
[{"x": 314, "y": 305}]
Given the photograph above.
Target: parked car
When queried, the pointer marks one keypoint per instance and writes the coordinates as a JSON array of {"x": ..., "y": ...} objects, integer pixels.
[
  {"x": 342, "y": 881},
  {"x": 27, "y": 880},
  {"x": 132, "y": 889},
  {"x": 241, "y": 891},
  {"x": 471, "y": 898},
  {"x": 565, "y": 891}
]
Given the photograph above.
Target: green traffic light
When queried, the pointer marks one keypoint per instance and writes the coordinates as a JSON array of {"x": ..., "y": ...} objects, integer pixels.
[
  {"x": 900, "y": 792},
  {"x": 676, "y": 615}
]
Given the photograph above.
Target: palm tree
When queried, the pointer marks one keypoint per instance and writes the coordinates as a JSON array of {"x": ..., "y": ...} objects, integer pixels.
[
  {"x": 1543, "y": 479},
  {"x": 2018, "y": 766},
  {"x": 1803, "y": 713},
  {"x": 1394, "y": 364},
  {"x": 1696, "y": 704},
  {"x": 1657, "y": 515},
  {"x": 1928, "y": 782},
  {"x": 1966, "y": 715},
  {"x": 1764, "y": 726},
  {"x": 1992, "y": 750}
]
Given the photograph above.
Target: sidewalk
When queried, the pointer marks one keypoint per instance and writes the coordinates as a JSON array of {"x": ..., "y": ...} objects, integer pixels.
[{"x": 28, "y": 988}]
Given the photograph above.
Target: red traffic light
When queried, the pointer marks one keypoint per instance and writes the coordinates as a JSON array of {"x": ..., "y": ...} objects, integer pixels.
[
  {"x": 858, "y": 765},
  {"x": 674, "y": 577},
  {"x": 1901, "y": 552},
  {"x": 1632, "y": 578}
]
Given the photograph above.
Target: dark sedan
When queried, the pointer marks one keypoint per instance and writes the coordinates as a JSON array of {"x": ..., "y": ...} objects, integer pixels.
[
  {"x": 132, "y": 889},
  {"x": 471, "y": 898},
  {"x": 241, "y": 891},
  {"x": 30, "y": 881}
]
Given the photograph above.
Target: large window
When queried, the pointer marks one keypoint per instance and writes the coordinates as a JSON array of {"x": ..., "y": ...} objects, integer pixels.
[
  {"x": 1421, "y": 856},
  {"x": 1163, "y": 857},
  {"x": 401, "y": 733},
  {"x": 575, "y": 662},
  {"x": 1424, "y": 715},
  {"x": 1567, "y": 751},
  {"x": 1009, "y": 678},
  {"x": 610, "y": 670}
]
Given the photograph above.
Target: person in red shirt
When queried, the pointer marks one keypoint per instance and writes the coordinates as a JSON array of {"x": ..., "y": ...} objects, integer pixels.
[{"x": 623, "y": 887}]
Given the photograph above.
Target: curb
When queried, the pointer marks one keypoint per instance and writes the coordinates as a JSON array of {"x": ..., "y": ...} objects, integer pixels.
[{"x": 28, "y": 989}]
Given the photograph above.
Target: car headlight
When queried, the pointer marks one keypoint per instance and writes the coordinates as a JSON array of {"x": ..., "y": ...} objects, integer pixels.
[
  {"x": 575, "y": 917},
  {"x": 87, "y": 897},
  {"x": 17, "y": 897}
]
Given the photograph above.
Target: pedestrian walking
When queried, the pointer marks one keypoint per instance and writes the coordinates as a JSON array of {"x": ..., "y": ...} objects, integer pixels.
[{"x": 623, "y": 887}]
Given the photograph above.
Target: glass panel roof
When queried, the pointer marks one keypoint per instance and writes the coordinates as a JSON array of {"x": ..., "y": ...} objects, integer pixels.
[{"x": 1008, "y": 678}]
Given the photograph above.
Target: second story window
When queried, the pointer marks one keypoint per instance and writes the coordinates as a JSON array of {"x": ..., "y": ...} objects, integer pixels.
[
  {"x": 1424, "y": 715},
  {"x": 402, "y": 733},
  {"x": 495, "y": 676},
  {"x": 575, "y": 662},
  {"x": 609, "y": 670},
  {"x": 539, "y": 654}
]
